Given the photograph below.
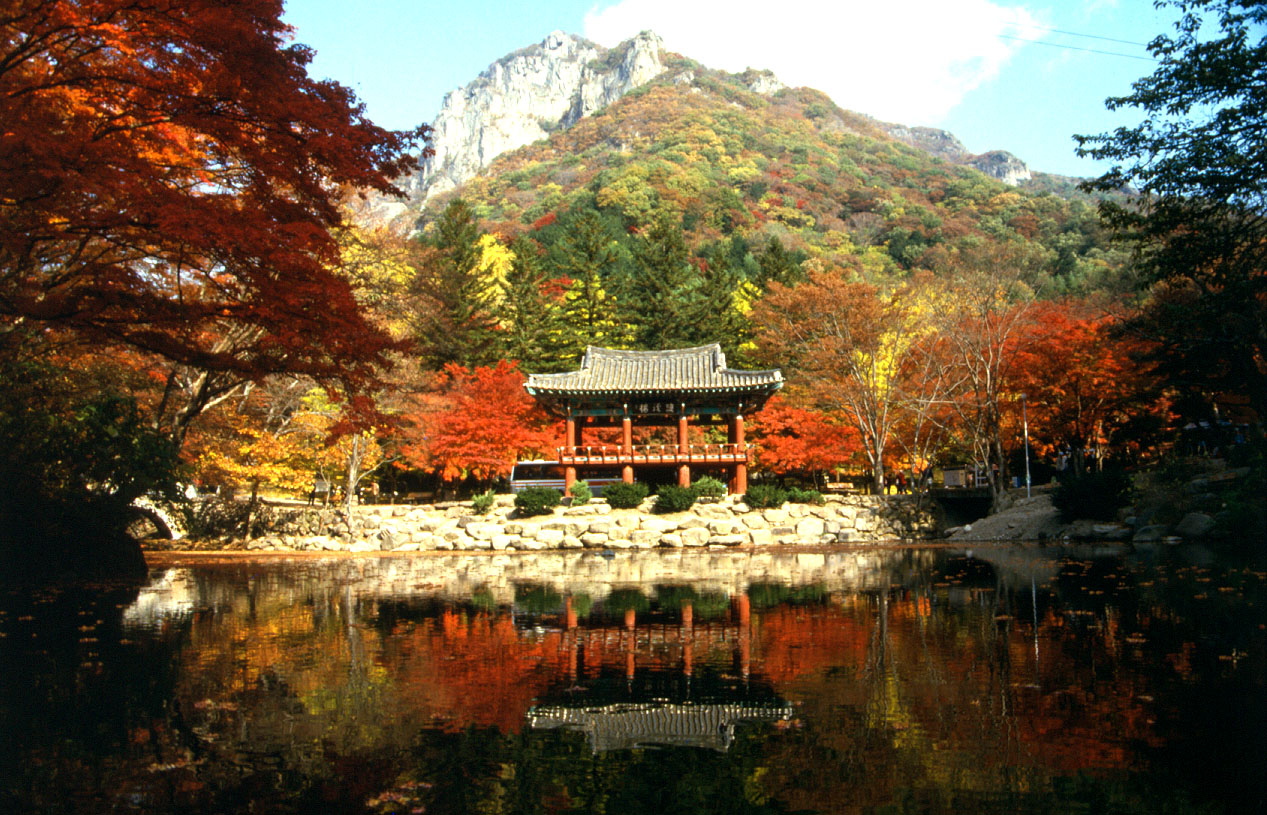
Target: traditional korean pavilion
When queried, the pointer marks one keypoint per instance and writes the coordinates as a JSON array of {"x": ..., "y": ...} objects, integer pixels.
[{"x": 655, "y": 388}]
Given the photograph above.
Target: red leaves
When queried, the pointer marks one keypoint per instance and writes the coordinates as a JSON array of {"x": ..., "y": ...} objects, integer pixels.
[
  {"x": 170, "y": 177},
  {"x": 792, "y": 439},
  {"x": 1081, "y": 382},
  {"x": 479, "y": 423}
]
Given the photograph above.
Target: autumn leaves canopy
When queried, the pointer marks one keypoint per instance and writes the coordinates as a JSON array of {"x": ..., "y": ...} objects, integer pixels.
[{"x": 171, "y": 178}]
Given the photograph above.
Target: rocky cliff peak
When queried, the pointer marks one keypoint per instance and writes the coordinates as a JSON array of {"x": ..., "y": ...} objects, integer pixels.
[
  {"x": 940, "y": 143},
  {"x": 524, "y": 96},
  {"x": 1002, "y": 165},
  {"x": 998, "y": 164}
]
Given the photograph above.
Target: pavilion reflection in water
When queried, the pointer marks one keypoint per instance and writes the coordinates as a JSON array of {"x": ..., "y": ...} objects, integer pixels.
[
  {"x": 660, "y": 705},
  {"x": 622, "y": 726}
]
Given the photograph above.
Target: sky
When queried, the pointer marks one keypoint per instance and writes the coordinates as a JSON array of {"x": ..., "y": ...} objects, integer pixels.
[{"x": 1001, "y": 75}]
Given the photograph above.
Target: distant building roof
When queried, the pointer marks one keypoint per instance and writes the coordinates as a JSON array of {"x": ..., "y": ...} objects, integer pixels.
[{"x": 605, "y": 371}]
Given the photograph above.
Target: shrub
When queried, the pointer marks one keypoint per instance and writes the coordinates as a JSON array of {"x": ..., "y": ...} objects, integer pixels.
[
  {"x": 483, "y": 502},
  {"x": 672, "y": 498},
  {"x": 799, "y": 496},
  {"x": 625, "y": 496},
  {"x": 708, "y": 487},
  {"x": 760, "y": 496},
  {"x": 537, "y": 501},
  {"x": 581, "y": 493},
  {"x": 1092, "y": 496}
]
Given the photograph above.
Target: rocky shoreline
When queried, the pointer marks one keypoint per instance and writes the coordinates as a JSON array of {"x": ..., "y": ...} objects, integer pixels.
[
  {"x": 593, "y": 525},
  {"x": 1037, "y": 519}
]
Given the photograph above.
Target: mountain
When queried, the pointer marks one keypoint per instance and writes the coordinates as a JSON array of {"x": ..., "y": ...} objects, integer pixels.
[
  {"x": 635, "y": 131},
  {"x": 535, "y": 91},
  {"x": 525, "y": 96}
]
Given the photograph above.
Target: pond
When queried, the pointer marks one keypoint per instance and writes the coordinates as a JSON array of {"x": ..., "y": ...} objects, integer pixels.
[{"x": 919, "y": 679}]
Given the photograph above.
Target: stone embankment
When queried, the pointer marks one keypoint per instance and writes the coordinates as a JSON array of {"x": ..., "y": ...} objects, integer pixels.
[{"x": 595, "y": 525}]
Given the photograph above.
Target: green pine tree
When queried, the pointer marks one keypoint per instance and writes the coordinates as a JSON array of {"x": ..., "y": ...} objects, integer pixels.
[
  {"x": 530, "y": 324},
  {"x": 659, "y": 294},
  {"x": 777, "y": 265},
  {"x": 453, "y": 320},
  {"x": 589, "y": 255}
]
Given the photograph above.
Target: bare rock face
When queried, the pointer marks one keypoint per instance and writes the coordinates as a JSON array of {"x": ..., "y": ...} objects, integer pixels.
[
  {"x": 524, "y": 96},
  {"x": 1002, "y": 165},
  {"x": 762, "y": 82},
  {"x": 998, "y": 164},
  {"x": 940, "y": 143}
]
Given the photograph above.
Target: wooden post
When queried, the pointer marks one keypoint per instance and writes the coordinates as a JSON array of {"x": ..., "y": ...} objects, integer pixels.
[
  {"x": 688, "y": 638},
  {"x": 569, "y": 449},
  {"x": 632, "y": 642},
  {"x": 683, "y": 449},
  {"x": 741, "y": 467},
  {"x": 571, "y": 636},
  {"x": 626, "y": 447}
]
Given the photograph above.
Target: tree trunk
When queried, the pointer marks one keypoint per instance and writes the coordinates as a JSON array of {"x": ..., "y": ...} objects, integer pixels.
[
  {"x": 250, "y": 509},
  {"x": 353, "y": 476}
]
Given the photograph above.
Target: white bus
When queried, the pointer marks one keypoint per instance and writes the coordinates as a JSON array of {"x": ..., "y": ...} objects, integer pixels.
[{"x": 540, "y": 473}]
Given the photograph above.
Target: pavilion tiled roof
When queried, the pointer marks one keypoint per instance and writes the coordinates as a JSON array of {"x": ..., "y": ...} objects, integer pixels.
[
  {"x": 701, "y": 369},
  {"x": 626, "y": 726}
]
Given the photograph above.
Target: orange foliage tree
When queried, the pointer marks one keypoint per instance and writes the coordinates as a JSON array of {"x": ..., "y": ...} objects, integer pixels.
[
  {"x": 794, "y": 439},
  {"x": 1083, "y": 383},
  {"x": 171, "y": 181},
  {"x": 477, "y": 422},
  {"x": 843, "y": 343}
]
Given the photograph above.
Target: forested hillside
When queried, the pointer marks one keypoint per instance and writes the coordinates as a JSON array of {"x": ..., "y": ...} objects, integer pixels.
[{"x": 738, "y": 169}]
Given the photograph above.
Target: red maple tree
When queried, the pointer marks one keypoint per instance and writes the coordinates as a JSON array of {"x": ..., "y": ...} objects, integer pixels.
[
  {"x": 478, "y": 422},
  {"x": 793, "y": 439},
  {"x": 1083, "y": 383},
  {"x": 171, "y": 179}
]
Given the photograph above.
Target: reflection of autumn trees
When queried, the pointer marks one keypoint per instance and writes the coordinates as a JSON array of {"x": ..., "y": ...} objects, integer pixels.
[{"x": 950, "y": 684}]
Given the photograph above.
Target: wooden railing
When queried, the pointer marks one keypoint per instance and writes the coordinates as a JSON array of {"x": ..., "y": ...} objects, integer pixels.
[{"x": 655, "y": 454}]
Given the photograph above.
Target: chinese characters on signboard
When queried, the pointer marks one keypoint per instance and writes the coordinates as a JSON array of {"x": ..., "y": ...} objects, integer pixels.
[{"x": 652, "y": 408}]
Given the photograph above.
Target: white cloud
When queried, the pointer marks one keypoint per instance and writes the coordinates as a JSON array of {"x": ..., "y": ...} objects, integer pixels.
[{"x": 908, "y": 61}]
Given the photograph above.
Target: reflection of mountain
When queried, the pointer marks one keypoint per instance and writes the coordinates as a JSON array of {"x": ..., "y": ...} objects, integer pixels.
[{"x": 625, "y": 726}]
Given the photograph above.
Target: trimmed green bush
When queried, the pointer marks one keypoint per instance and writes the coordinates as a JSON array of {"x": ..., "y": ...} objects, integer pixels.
[
  {"x": 799, "y": 496},
  {"x": 762, "y": 496},
  {"x": 483, "y": 502},
  {"x": 537, "y": 501},
  {"x": 581, "y": 493},
  {"x": 708, "y": 487},
  {"x": 625, "y": 496},
  {"x": 1091, "y": 496},
  {"x": 672, "y": 498}
]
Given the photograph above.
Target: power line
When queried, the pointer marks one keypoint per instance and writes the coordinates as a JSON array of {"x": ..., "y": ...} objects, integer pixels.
[
  {"x": 1088, "y": 36},
  {"x": 1076, "y": 48}
]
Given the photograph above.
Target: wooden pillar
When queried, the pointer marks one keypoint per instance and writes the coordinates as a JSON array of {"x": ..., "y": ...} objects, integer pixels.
[
  {"x": 631, "y": 643},
  {"x": 569, "y": 449},
  {"x": 683, "y": 448},
  {"x": 688, "y": 639},
  {"x": 571, "y": 636},
  {"x": 741, "y": 467},
  {"x": 626, "y": 448}
]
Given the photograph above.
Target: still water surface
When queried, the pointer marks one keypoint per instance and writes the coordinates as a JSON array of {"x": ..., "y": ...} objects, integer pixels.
[{"x": 1010, "y": 679}]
